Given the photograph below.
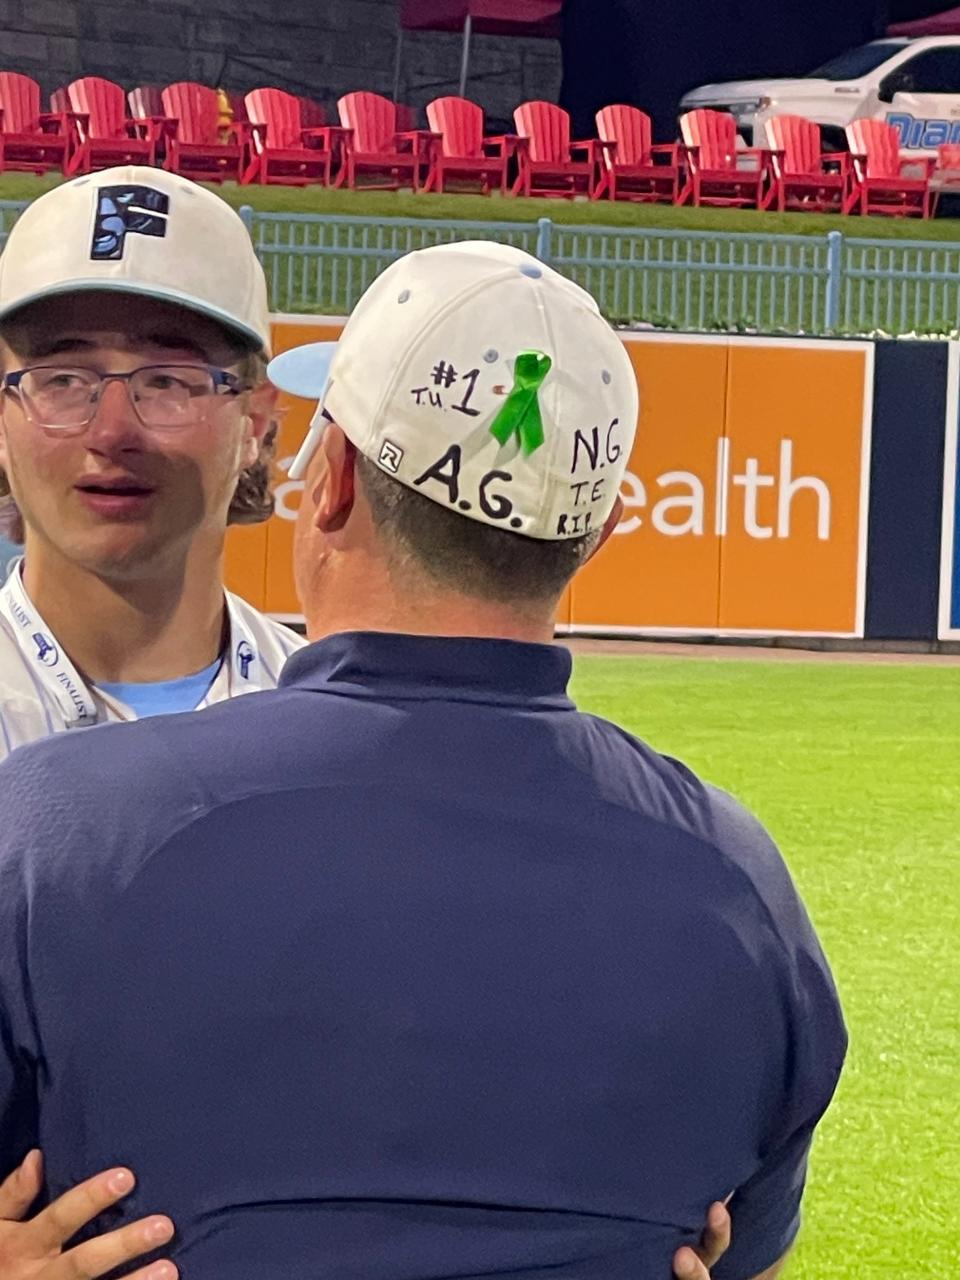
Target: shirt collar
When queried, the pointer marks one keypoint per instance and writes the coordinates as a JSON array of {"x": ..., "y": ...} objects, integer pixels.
[{"x": 380, "y": 664}]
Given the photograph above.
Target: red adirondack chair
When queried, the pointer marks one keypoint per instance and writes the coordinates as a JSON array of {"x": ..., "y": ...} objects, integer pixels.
[
  {"x": 105, "y": 134},
  {"x": 946, "y": 175},
  {"x": 194, "y": 147},
  {"x": 888, "y": 183},
  {"x": 284, "y": 150},
  {"x": 312, "y": 115},
  {"x": 376, "y": 148},
  {"x": 806, "y": 177},
  {"x": 545, "y": 154},
  {"x": 632, "y": 167},
  {"x": 460, "y": 151},
  {"x": 145, "y": 101},
  {"x": 716, "y": 166},
  {"x": 31, "y": 140}
]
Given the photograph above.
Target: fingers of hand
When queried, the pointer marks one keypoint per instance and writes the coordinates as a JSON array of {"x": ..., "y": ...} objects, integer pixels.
[
  {"x": 687, "y": 1266},
  {"x": 98, "y": 1256},
  {"x": 715, "y": 1240},
  {"x": 18, "y": 1192},
  {"x": 75, "y": 1208},
  {"x": 156, "y": 1271}
]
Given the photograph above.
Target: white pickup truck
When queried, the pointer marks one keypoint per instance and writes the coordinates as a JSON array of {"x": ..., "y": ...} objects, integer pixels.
[{"x": 913, "y": 84}]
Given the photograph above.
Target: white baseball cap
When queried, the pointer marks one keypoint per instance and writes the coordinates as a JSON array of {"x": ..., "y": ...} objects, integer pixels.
[
  {"x": 137, "y": 229},
  {"x": 483, "y": 379}
]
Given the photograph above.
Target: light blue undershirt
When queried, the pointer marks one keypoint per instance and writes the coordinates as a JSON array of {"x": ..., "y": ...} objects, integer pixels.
[{"x": 162, "y": 697}]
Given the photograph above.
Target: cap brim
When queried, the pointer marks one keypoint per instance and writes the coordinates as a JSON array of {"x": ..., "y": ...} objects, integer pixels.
[
  {"x": 249, "y": 336},
  {"x": 303, "y": 371}
]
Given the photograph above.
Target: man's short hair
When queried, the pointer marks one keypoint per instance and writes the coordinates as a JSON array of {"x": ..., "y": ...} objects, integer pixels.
[{"x": 465, "y": 555}]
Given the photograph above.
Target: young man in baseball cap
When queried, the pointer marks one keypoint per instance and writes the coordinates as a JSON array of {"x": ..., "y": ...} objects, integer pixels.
[
  {"x": 469, "y": 942},
  {"x": 134, "y": 413}
]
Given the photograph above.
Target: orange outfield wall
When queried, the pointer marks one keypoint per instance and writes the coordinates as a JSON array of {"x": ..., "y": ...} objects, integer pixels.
[{"x": 745, "y": 497}]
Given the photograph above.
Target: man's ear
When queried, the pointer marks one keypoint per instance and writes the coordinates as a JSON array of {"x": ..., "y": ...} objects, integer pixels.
[
  {"x": 334, "y": 490},
  {"x": 261, "y": 414},
  {"x": 4, "y": 459},
  {"x": 611, "y": 522}
]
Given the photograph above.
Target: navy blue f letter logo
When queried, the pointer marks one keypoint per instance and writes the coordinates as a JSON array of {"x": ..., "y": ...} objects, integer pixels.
[{"x": 123, "y": 211}]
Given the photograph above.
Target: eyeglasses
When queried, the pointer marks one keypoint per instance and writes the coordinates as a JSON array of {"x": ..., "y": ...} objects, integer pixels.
[{"x": 65, "y": 399}]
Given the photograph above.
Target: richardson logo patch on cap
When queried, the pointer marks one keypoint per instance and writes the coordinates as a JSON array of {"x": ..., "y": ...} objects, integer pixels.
[{"x": 123, "y": 211}]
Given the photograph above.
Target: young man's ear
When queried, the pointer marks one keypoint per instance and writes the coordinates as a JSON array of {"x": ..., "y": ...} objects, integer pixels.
[
  {"x": 334, "y": 489},
  {"x": 3, "y": 440},
  {"x": 261, "y": 414}
]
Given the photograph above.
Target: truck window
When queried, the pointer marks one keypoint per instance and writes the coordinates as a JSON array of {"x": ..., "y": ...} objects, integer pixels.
[
  {"x": 933, "y": 71},
  {"x": 856, "y": 62}
]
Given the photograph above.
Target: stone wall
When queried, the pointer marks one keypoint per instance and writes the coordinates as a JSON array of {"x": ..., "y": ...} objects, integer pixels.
[{"x": 320, "y": 48}]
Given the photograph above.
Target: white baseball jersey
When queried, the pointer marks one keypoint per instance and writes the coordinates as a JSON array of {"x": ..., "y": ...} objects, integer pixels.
[{"x": 41, "y": 691}]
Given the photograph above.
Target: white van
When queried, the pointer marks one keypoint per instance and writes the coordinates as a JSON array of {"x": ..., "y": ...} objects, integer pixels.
[{"x": 912, "y": 84}]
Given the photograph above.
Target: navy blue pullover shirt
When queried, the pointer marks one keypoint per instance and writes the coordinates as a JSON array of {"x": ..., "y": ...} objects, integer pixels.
[{"x": 408, "y": 970}]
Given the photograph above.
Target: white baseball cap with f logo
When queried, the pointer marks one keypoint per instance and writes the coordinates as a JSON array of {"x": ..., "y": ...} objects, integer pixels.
[{"x": 139, "y": 230}]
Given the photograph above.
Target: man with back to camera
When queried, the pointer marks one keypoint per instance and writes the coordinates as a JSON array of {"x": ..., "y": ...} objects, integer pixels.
[
  {"x": 411, "y": 960},
  {"x": 133, "y": 335},
  {"x": 95, "y": 259}
]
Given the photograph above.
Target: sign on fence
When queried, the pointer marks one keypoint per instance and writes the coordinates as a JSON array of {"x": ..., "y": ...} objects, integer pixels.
[{"x": 745, "y": 499}]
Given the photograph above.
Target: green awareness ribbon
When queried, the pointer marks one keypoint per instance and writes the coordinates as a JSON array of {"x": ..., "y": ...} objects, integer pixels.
[{"x": 520, "y": 413}]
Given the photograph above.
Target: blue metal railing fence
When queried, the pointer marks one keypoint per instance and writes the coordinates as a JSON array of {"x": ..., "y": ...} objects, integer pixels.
[{"x": 687, "y": 280}]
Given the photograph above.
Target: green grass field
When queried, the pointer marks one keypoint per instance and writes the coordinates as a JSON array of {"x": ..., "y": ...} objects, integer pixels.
[
  {"x": 855, "y": 770},
  {"x": 603, "y": 213}
]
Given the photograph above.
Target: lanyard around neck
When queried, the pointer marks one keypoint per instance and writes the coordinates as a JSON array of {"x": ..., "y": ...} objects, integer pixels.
[
  {"x": 51, "y": 667},
  {"x": 60, "y": 679}
]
